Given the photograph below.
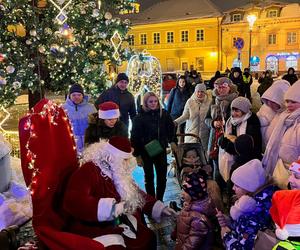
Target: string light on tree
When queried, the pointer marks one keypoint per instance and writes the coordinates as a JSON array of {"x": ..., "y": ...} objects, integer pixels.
[{"x": 6, "y": 117}]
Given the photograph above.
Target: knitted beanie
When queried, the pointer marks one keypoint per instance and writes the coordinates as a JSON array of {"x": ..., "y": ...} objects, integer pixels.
[
  {"x": 195, "y": 184},
  {"x": 122, "y": 76},
  {"x": 76, "y": 88},
  {"x": 292, "y": 93},
  {"x": 222, "y": 80},
  {"x": 241, "y": 103},
  {"x": 250, "y": 176},
  {"x": 200, "y": 87}
]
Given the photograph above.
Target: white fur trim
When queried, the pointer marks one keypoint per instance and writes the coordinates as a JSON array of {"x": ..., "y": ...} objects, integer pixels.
[
  {"x": 106, "y": 207},
  {"x": 127, "y": 232},
  {"x": 289, "y": 230},
  {"x": 118, "y": 153},
  {"x": 110, "y": 240},
  {"x": 282, "y": 234},
  {"x": 157, "y": 210},
  {"x": 109, "y": 114}
]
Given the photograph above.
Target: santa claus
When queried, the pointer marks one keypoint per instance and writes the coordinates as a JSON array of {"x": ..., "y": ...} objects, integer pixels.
[{"x": 104, "y": 201}]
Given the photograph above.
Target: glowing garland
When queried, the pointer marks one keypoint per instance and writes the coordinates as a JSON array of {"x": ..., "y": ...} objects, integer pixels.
[
  {"x": 61, "y": 17},
  {"x": 49, "y": 109},
  {"x": 116, "y": 41},
  {"x": 4, "y": 119}
]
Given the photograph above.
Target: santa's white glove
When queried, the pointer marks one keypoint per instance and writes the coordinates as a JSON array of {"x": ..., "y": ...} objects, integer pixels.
[
  {"x": 119, "y": 209},
  {"x": 168, "y": 212}
]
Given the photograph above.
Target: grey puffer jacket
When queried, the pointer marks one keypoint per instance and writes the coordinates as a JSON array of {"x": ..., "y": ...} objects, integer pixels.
[{"x": 194, "y": 228}]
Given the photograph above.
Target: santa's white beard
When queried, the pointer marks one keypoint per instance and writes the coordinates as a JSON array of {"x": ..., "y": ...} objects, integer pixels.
[
  {"x": 119, "y": 170},
  {"x": 126, "y": 186}
]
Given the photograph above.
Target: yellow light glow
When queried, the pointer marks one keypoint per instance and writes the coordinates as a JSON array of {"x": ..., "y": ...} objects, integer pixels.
[
  {"x": 213, "y": 54},
  {"x": 251, "y": 20},
  {"x": 7, "y": 115}
]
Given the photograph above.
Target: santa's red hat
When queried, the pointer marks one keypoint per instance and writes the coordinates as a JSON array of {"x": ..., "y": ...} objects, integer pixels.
[
  {"x": 295, "y": 167},
  {"x": 109, "y": 110},
  {"x": 285, "y": 212},
  {"x": 119, "y": 146}
]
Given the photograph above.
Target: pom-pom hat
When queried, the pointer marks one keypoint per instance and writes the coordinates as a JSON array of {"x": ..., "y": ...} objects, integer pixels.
[
  {"x": 285, "y": 212},
  {"x": 119, "y": 146},
  {"x": 295, "y": 167},
  {"x": 108, "y": 110}
]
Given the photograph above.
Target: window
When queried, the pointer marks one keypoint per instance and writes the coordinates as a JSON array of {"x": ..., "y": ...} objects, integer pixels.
[
  {"x": 156, "y": 38},
  {"x": 170, "y": 64},
  {"x": 184, "y": 36},
  {"x": 170, "y": 37},
  {"x": 272, "y": 13},
  {"x": 200, "y": 35},
  {"x": 291, "y": 37},
  {"x": 200, "y": 63},
  {"x": 184, "y": 66},
  {"x": 143, "y": 39},
  {"x": 131, "y": 40},
  {"x": 291, "y": 61},
  {"x": 272, "y": 64},
  {"x": 234, "y": 39},
  {"x": 236, "y": 17},
  {"x": 272, "y": 39}
]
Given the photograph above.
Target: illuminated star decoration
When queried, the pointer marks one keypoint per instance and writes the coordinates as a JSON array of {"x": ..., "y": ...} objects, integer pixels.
[
  {"x": 116, "y": 41},
  {"x": 6, "y": 117},
  {"x": 61, "y": 17}
]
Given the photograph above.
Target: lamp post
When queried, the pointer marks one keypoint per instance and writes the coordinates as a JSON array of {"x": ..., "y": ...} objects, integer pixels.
[{"x": 251, "y": 20}]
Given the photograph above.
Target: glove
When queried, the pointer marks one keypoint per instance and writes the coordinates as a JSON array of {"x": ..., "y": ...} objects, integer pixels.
[
  {"x": 119, "y": 209},
  {"x": 173, "y": 147},
  {"x": 168, "y": 212}
]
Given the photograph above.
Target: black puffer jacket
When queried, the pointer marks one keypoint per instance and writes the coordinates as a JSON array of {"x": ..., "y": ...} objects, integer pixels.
[
  {"x": 145, "y": 129},
  {"x": 97, "y": 129}
]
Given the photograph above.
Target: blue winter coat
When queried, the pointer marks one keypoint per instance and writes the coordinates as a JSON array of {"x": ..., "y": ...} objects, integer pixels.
[
  {"x": 244, "y": 230},
  {"x": 78, "y": 116},
  {"x": 176, "y": 101}
]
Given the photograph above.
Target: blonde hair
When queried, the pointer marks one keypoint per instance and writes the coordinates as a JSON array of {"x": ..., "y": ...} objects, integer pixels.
[{"x": 145, "y": 100}]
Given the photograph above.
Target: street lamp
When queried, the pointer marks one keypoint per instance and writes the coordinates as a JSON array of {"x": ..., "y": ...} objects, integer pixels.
[{"x": 251, "y": 20}]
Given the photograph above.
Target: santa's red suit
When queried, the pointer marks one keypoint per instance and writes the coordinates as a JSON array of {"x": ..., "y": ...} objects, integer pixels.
[{"x": 102, "y": 189}]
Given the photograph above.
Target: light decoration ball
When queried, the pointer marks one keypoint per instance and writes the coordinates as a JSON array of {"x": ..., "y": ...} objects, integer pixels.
[{"x": 144, "y": 73}]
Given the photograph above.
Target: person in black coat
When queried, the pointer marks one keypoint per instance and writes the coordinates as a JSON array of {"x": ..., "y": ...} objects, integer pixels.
[
  {"x": 213, "y": 79},
  {"x": 291, "y": 77},
  {"x": 237, "y": 78},
  {"x": 153, "y": 123},
  {"x": 105, "y": 124},
  {"x": 119, "y": 94}
]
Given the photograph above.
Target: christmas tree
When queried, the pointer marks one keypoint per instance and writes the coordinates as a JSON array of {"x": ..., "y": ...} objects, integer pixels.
[{"x": 55, "y": 42}]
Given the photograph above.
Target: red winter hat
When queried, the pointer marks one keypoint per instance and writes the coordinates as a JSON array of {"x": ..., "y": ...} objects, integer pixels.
[
  {"x": 285, "y": 212},
  {"x": 295, "y": 167},
  {"x": 109, "y": 110},
  {"x": 119, "y": 146}
]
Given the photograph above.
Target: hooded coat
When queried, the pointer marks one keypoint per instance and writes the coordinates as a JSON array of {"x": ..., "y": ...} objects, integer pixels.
[
  {"x": 290, "y": 77},
  {"x": 267, "y": 117},
  {"x": 194, "y": 227},
  {"x": 194, "y": 114},
  {"x": 78, "y": 116}
]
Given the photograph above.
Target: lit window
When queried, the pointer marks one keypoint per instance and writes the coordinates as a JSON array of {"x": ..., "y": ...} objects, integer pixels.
[
  {"x": 272, "y": 39},
  {"x": 200, "y": 35},
  {"x": 291, "y": 37},
  {"x": 170, "y": 37},
  {"x": 236, "y": 17},
  {"x": 184, "y": 36},
  {"x": 131, "y": 40},
  {"x": 272, "y": 13},
  {"x": 143, "y": 39},
  {"x": 291, "y": 62},
  {"x": 156, "y": 38},
  {"x": 234, "y": 39}
]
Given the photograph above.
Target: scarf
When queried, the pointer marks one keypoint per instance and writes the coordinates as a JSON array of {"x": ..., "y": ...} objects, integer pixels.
[
  {"x": 224, "y": 101},
  {"x": 285, "y": 121},
  {"x": 240, "y": 122}
]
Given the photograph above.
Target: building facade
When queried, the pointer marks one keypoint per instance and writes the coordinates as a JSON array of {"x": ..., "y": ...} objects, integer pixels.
[{"x": 275, "y": 38}]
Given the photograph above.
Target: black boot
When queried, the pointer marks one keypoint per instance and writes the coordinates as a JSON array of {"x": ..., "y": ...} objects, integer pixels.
[{"x": 8, "y": 238}]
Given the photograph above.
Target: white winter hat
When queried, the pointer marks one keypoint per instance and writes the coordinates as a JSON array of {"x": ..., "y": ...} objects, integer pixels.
[
  {"x": 276, "y": 92},
  {"x": 200, "y": 87},
  {"x": 292, "y": 93},
  {"x": 250, "y": 176}
]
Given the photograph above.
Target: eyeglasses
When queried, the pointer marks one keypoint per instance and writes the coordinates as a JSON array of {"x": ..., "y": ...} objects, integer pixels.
[
  {"x": 235, "y": 109},
  {"x": 221, "y": 85}
]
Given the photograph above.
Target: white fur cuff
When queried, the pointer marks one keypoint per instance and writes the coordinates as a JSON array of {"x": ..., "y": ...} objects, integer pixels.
[
  {"x": 110, "y": 240},
  {"x": 157, "y": 210},
  {"x": 105, "y": 209}
]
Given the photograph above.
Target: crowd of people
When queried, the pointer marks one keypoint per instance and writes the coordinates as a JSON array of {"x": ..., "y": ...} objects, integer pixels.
[{"x": 252, "y": 183}]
